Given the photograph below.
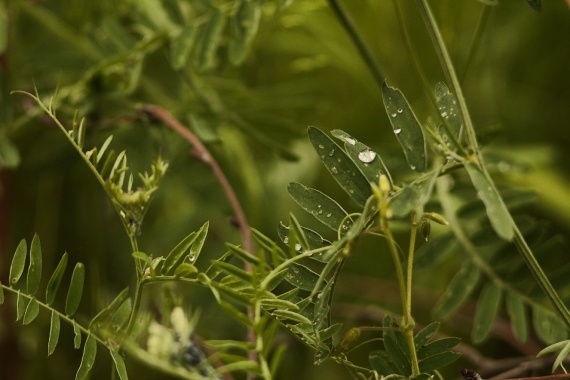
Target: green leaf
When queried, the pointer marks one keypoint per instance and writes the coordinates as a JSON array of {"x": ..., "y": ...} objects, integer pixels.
[
  {"x": 547, "y": 326},
  {"x": 21, "y": 306},
  {"x": 424, "y": 335},
  {"x": 497, "y": 212},
  {"x": 243, "y": 254},
  {"x": 486, "y": 311},
  {"x": 380, "y": 361},
  {"x": 247, "y": 366},
  {"x": 406, "y": 126},
  {"x": 35, "y": 268},
  {"x": 209, "y": 40},
  {"x": 290, "y": 315},
  {"x": 9, "y": 153},
  {"x": 227, "y": 344},
  {"x": 397, "y": 353},
  {"x": 369, "y": 162},
  {"x": 414, "y": 196},
  {"x": 435, "y": 362},
  {"x": 301, "y": 277},
  {"x": 185, "y": 270},
  {"x": 314, "y": 239},
  {"x": 299, "y": 232},
  {"x": 182, "y": 46},
  {"x": 77, "y": 336},
  {"x": 434, "y": 251},
  {"x": 561, "y": 356},
  {"x": 198, "y": 243},
  {"x": 31, "y": 312},
  {"x": 234, "y": 271},
  {"x": 88, "y": 358},
  {"x": 75, "y": 291},
  {"x": 437, "y": 347},
  {"x": 107, "y": 312},
  {"x": 18, "y": 262},
  {"x": 119, "y": 365},
  {"x": 447, "y": 108},
  {"x": 276, "y": 303},
  {"x": 321, "y": 206},
  {"x": 177, "y": 254},
  {"x": 458, "y": 290},
  {"x": 517, "y": 315},
  {"x": 54, "y": 327},
  {"x": 342, "y": 168},
  {"x": 55, "y": 279},
  {"x": 244, "y": 24},
  {"x": 122, "y": 314}
]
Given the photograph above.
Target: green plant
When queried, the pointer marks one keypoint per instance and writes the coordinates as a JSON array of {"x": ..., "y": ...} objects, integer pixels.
[{"x": 265, "y": 286}]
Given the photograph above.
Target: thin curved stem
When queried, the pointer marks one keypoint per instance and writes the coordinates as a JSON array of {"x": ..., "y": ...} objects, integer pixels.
[{"x": 358, "y": 41}]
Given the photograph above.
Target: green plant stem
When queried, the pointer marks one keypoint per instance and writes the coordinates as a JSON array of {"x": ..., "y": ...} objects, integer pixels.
[
  {"x": 519, "y": 240},
  {"x": 358, "y": 41}
]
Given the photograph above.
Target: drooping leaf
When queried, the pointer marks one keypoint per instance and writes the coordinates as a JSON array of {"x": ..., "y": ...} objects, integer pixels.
[
  {"x": 518, "y": 316},
  {"x": 31, "y": 312},
  {"x": 244, "y": 24},
  {"x": 9, "y": 153},
  {"x": 343, "y": 169},
  {"x": 55, "y": 279},
  {"x": 458, "y": 290},
  {"x": 406, "y": 126},
  {"x": 54, "y": 327},
  {"x": 18, "y": 262},
  {"x": 182, "y": 46},
  {"x": 119, "y": 365},
  {"x": 104, "y": 315},
  {"x": 321, "y": 206},
  {"x": 486, "y": 311},
  {"x": 561, "y": 356},
  {"x": 35, "y": 268},
  {"x": 176, "y": 255},
  {"x": 380, "y": 362},
  {"x": 547, "y": 326},
  {"x": 424, "y": 335},
  {"x": 496, "y": 210},
  {"x": 368, "y": 161},
  {"x": 88, "y": 358},
  {"x": 75, "y": 291},
  {"x": 413, "y": 196},
  {"x": 77, "y": 336},
  {"x": 435, "y": 362},
  {"x": 209, "y": 39}
]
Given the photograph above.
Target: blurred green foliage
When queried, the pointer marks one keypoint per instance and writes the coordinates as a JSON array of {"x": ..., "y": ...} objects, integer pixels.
[{"x": 302, "y": 70}]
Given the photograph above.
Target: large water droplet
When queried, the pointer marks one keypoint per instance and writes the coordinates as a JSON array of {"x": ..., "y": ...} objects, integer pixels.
[
  {"x": 397, "y": 131},
  {"x": 286, "y": 240},
  {"x": 367, "y": 156},
  {"x": 191, "y": 257}
]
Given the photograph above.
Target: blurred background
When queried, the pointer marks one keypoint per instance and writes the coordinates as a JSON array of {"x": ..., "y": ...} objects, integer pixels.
[{"x": 107, "y": 57}]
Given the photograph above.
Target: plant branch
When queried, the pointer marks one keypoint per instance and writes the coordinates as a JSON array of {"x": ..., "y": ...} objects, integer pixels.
[
  {"x": 358, "y": 41},
  {"x": 202, "y": 153}
]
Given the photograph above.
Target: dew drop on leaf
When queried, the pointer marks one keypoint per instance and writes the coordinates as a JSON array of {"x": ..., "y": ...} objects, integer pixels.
[
  {"x": 367, "y": 156},
  {"x": 397, "y": 131}
]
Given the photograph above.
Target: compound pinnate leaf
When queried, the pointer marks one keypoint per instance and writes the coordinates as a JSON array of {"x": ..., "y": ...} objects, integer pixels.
[
  {"x": 406, "y": 127},
  {"x": 54, "y": 327},
  {"x": 517, "y": 314},
  {"x": 75, "y": 291},
  {"x": 177, "y": 253},
  {"x": 88, "y": 358},
  {"x": 486, "y": 311},
  {"x": 18, "y": 262},
  {"x": 31, "y": 312},
  {"x": 35, "y": 268},
  {"x": 343, "y": 169},
  {"x": 458, "y": 290},
  {"x": 119, "y": 365},
  {"x": 318, "y": 204},
  {"x": 244, "y": 24},
  {"x": 55, "y": 279},
  {"x": 496, "y": 210}
]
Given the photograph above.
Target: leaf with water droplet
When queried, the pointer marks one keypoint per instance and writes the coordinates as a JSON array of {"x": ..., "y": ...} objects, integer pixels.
[
  {"x": 449, "y": 112},
  {"x": 411, "y": 135},
  {"x": 343, "y": 169},
  {"x": 320, "y": 205},
  {"x": 314, "y": 239},
  {"x": 497, "y": 212},
  {"x": 414, "y": 195}
]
